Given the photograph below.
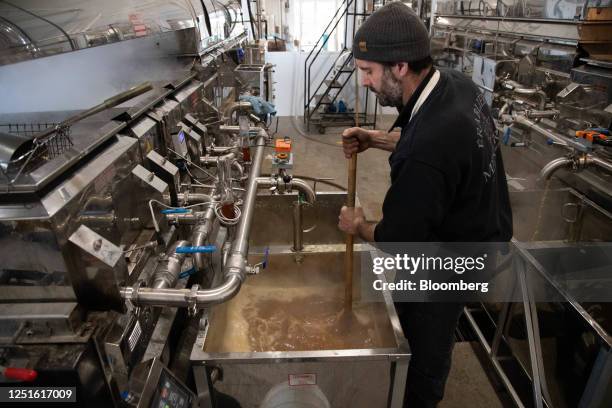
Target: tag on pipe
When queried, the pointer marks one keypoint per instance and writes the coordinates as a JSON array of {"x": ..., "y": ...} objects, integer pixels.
[
  {"x": 196, "y": 249},
  {"x": 175, "y": 211}
]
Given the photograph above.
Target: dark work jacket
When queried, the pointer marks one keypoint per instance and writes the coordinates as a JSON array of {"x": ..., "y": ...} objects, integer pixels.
[{"x": 447, "y": 176}]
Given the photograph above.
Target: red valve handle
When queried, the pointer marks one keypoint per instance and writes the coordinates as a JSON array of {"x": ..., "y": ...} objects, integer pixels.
[{"x": 20, "y": 374}]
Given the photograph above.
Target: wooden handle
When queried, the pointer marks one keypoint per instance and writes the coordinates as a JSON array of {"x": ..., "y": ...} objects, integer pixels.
[
  {"x": 350, "y": 202},
  {"x": 348, "y": 257}
]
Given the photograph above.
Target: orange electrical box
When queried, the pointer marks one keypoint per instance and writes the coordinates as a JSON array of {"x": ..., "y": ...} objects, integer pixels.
[{"x": 282, "y": 145}]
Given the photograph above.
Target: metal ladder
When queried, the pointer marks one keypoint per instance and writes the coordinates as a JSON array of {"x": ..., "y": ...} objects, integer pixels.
[{"x": 319, "y": 97}]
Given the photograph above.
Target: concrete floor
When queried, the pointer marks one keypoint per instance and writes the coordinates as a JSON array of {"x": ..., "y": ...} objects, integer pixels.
[{"x": 321, "y": 156}]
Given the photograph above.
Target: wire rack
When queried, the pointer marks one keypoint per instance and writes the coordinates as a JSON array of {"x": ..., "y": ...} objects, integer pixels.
[
  {"x": 49, "y": 140},
  {"x": 25, "y": 129}
]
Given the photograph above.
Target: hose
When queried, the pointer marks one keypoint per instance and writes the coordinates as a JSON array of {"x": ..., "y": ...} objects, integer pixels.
[
  {"x": 331, "y": 183},
  {"x": 248, "y": 2}
]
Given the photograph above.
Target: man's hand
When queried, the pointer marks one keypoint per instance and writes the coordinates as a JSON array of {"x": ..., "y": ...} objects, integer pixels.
[
  {"x": 350, "y": 220},
  {"x": 355, "y": 140}
]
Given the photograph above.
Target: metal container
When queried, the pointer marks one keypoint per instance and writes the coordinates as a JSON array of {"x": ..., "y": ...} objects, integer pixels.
[
  {"x": 365, "y": 366},
  {"x": 256, "y": 79},
  {"x": 103, "y": 194}
]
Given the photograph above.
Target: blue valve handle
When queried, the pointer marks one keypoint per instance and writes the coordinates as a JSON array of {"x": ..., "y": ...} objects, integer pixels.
[
  {"x": 550, "y": 142},
  {"x": 507, "y": 134},
  {"x": 187, "y": 273},
  {"x": 206, "y": 249},
  {"x": 175, "y": 211},
  {"x": 264, "y": 264}
]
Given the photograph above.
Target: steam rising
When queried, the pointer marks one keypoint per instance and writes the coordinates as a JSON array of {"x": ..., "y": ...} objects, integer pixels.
[{"x": 81, "y": 79}]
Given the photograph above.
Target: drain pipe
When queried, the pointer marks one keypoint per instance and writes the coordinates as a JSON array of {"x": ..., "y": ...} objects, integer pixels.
[
  {"x": 295, "y": 183},
  {"x": 236, "y": 106},
  {"x": 234, "y": 270},
  {"x": 574, "y": 163},
  {"x": 553, "y": 166},
  {"x": 309, "y": 194}
]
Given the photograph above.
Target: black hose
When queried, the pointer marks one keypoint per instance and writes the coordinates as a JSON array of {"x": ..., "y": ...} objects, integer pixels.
[
  {"x": 328, "y": 182},
  {"x": 206, "y": 18},
  {"x": 228, "y": 17},
  {"x": 251, "y": 20}
]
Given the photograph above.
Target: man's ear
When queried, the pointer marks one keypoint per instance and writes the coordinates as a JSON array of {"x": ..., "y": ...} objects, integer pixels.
[{"x": 400, "y": 70}]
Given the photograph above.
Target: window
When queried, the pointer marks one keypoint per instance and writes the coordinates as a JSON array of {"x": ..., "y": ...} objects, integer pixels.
[{"x": 313, "y": 16}]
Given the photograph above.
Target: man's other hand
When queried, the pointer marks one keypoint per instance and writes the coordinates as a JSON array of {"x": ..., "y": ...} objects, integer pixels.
[
  {"x": 355, "y": 140},
  {"x": 350, "y": 219}
]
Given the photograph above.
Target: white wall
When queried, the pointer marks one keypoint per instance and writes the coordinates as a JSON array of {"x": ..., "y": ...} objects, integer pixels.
[{"x": 289, "y": 81}]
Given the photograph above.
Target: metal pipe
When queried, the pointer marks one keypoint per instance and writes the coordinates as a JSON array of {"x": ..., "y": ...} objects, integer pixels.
[
  {"x": 185, "y": 219},
  {"x": 238, "y": 168},
  {"x": 297, "y": 227},
  {"x": 228, "y": 156},
  {"x": 236, "y": 106},
  {"x": 240, "y": 246},
  {"x": 519, "y": 89},
  {"x": 236, "y": 129},
  {"x": 107, "y": 104},
  {"x": 221, "y": 150},
  {"x": 520, "y": 119},
  {"x": 167, "y": 272},
  {"x": 599, "y": 162},
  {"x": 189, "y": 197},
  {"x": 541, "y": 114},
  {"x": 299, "y": 184},
  {"x": 200, "y": 235},
  {"x": 214, "y": 159},
  {"x": 255, "y": 119},
  {"x": 503, "y": 110},
  {"x": 310, "y": 196},
  {"x": 234, "y": 268},
  {"x": 304, "y": 188},
  {"x": 553, "y": 166},
  {"x": 222, "y": 293},
  {"x": 193, "y": 297}
]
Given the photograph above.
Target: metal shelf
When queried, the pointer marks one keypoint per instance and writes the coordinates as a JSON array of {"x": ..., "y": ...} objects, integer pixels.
[{"x": 511, "y": 19}]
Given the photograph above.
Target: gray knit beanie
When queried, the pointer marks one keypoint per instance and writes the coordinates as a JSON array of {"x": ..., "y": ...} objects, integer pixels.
[{"x": 393, "y": 33}]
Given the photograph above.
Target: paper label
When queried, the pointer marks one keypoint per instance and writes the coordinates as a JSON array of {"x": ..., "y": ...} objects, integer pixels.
[{"x": 302, "y": 379}]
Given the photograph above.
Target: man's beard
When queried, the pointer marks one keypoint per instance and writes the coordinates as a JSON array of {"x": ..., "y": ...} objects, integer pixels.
[{"x": 390, "y": 93}]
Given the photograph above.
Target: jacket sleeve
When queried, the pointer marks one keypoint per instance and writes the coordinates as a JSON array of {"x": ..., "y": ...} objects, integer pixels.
[{"x": 415, "y": 204}]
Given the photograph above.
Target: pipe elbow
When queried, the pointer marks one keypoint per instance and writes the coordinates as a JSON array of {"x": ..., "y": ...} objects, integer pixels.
[
  {"x": 220, "y": 294},
  {"x": 304, "y": 188},
  {"x": 238, "y": 168},
  {"x": 237, "y": 106},
  {"x": 553, "y": 166}
]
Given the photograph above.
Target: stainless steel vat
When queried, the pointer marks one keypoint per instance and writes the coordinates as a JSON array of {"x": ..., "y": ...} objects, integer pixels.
[{"x": 364, "y": 366}]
